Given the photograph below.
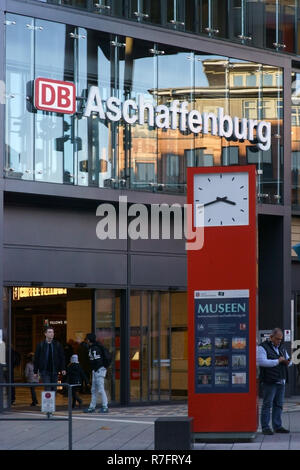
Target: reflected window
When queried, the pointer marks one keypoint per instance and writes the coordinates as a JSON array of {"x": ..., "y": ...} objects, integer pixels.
[
  {"x": 238, "y": 80},
  {"x": 251, "y": 80},
  {"x": 230, "y": 155}
]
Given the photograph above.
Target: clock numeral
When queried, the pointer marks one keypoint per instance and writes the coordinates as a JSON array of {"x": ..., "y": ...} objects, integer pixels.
[{"x": 242, "y": 187}]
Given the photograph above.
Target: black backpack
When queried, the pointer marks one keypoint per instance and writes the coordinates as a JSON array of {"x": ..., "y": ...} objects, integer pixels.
[{"x": 107, "y": 357}]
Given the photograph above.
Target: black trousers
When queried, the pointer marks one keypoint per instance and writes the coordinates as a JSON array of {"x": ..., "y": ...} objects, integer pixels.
[{"x": 75, "y": 396}]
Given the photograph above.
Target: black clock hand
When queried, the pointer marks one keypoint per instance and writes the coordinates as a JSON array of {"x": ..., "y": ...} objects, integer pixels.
[
  {"x": 211, "y": 202},
  {"x": 224, "y": 199}
]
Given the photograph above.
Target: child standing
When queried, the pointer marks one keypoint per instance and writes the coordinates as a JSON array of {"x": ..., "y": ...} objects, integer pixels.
[
  {"x": 75, "y": 375},
  {"x": 29, "y": 374}
]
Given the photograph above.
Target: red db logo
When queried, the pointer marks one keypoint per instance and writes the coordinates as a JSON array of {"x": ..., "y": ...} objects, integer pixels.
[
  {"x": 55, "y": 96},
  {"x": 47, "y": 395}
]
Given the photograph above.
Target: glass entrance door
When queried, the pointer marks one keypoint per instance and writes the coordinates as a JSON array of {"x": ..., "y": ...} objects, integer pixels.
[
  {"x": 107, "y": 318},
  {"x": 158, "y": 346}
]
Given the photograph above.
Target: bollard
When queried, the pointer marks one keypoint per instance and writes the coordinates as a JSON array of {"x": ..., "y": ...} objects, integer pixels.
[{"x": 173, "y": 433}]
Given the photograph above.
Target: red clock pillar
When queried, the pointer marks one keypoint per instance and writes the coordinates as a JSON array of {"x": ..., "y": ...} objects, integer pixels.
[{"x": 222, "y": 291}]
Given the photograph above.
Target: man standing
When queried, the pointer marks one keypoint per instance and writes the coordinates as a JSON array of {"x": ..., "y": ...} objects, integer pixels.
[
  {"x": 49, "y": 359},
  {"x": 97, "y": 361},
  {"x": 273, "y": 360}
]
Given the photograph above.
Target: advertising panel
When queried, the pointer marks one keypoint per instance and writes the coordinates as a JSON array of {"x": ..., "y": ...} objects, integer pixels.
[{"x": 222, "y": 341}]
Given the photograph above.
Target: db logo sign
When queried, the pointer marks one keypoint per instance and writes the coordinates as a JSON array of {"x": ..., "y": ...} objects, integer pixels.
[{"x": 55, "y": 96}]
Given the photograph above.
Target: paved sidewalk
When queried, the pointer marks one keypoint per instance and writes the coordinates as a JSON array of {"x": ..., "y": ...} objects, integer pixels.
[{"x": 127, "y": 429}]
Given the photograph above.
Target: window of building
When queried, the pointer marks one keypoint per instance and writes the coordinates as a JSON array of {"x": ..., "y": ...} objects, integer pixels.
[{"x": 238, "y": 80}]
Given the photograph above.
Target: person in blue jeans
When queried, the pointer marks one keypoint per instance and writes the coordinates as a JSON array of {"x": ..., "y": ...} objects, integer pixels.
[{"x": 273, "y": 361}]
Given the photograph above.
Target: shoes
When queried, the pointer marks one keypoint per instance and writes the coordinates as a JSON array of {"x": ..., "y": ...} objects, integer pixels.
[
  {"x": 282, "y": 430},
  {"x": 89, "y": 410},
  {"x": 34, "y": 403},
  {"x": 104, "y": 409},
  {"x": 267, "y": 432}
]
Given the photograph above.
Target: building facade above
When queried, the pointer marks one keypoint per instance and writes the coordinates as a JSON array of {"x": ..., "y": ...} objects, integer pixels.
[{"x": 269, "y": 24}]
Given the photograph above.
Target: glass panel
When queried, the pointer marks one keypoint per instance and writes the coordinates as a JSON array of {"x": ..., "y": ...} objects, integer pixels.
[
  {"x": 255, "y": 26},
  {"x": 295, "y": 118},
  {"x": 176, "y": 72},
  {"x": 176, "y": 14},
  {"x": 135, "y": 347},
  {"x": 288, "y": 24},
  {"x": 139, "y": 152},
  {"x": 165, "y": 347},
  {"x": 106, "y": 7},
  {"x": 140, "y": 10},
  {"x": 271, "y": 26},
  {"x": 220, "y": 18},
  {"x": 145, "y": 348},
  {"x": 154, "y": 390},
  {"x": 108, "y": 332},
  {"x": 19, "y": 121},
  {"x": 179, "y": 346},
  {"x": 50, "y": 128}
]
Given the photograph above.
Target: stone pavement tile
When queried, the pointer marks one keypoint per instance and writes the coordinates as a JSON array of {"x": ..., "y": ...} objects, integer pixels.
[
  {"x": 94, "y": 436},
  {"x": 36, "y": 437},
  {"x": 276, "y": 442},
  {"x": 60, "y": 435},
  {"x": 129, "y": 438},
  {"x": 218, "y": 446},
  {"x": 246, "y": 446},
  {"x": 106, "y": 439},
  {"x": 294, "y": 421},
  {"x": 141, "y": 441}
]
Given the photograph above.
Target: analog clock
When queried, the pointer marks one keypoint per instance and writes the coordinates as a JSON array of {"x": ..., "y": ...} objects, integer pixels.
[{"x": 221, "y": 199}]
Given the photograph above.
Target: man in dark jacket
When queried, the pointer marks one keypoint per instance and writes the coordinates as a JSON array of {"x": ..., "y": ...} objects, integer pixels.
[
  {"x": 96, "y": 355},
  {"x": 49, "y": 358},
  {"x": 273, "y": 360}
]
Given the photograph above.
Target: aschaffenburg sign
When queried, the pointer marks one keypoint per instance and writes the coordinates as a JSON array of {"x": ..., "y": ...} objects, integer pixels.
[{"x": 57, "y": 96}]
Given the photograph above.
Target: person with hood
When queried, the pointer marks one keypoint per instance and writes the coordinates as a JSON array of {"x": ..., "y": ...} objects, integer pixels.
[
  {"x": 98, "y": 361},
  {"x": 75, "y": 376}
]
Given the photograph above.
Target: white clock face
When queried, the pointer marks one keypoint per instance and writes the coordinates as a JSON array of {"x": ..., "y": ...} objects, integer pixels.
[{"x": 224, "y": 198}]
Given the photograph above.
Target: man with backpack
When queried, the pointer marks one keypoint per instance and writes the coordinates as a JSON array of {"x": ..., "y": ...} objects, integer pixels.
[{"x": 100, "y": 359}]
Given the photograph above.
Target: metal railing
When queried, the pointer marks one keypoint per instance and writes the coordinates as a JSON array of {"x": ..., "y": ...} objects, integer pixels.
[{"x": 48, "y": 415}]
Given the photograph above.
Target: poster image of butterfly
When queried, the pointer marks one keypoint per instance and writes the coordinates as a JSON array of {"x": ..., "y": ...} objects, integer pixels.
[{"x": 204, "y": 361}]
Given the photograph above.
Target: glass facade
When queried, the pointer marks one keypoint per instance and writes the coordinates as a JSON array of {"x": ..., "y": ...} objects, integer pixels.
[
  {"x": 272, "y": 24},
  {"x": 158, "y": 346},
  {"x": 129, "y": 153},
  {"x": 295, "y": 125}
]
